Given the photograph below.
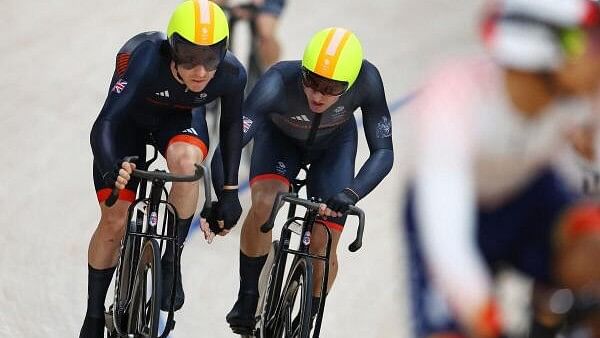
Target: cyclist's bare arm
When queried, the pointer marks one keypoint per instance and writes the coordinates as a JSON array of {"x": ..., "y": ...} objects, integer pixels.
[{"x": 445, "y": 196}]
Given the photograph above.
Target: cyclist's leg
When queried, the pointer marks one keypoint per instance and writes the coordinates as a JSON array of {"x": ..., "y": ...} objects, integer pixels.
[
  {"x": 275, "y": 160},
  {"x": 183, "y": 141},
  {"x": 266, "y": 25},
  {"x": 331, "y": 170},
  {"x": 317, "y": 247},
  {"x": 103, "y": 252}
]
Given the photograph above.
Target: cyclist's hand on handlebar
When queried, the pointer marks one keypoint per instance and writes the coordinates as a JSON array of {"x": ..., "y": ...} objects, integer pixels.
[
  {"x": 325, "y": 212},
  {"x": 122, "y": 175},
  {"x": 338, "y": 204}
]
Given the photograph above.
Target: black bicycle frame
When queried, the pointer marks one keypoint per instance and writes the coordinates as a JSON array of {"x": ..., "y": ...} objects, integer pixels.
[
  {"x": 169, "y": 233},
  {"x": 308, "y": 221}
]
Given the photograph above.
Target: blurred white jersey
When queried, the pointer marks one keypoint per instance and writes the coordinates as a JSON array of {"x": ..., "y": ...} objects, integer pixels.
[{"x": 474, "y": 150}]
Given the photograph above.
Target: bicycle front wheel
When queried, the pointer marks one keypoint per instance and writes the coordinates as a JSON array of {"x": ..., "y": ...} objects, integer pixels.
[
  {"x": 268, "y": 289},
  {"x": 126, "y": 270},
  {"x": 294, "y": 314},
  {"x": 144, "y": 310}
]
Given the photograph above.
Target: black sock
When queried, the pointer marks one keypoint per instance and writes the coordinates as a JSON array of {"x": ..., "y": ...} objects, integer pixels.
[
  {"x": 183, "y": 227},
  {"x": 92, "y": 328},
  {"x": 250, "y": 268},
  {"x": 98, "y": 282}
]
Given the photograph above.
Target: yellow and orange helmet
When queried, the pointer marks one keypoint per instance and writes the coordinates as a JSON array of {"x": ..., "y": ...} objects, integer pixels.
[
  {"x": 198, "y": 31},
  {"x": 334, "y": 53}
]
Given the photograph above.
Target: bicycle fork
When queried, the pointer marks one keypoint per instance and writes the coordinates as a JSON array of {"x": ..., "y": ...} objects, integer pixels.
[{"x": 309, "y": 220}]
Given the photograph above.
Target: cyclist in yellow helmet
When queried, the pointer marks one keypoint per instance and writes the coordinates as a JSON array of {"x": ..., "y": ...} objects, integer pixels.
[
  {"x": 302, "y": 113},
  {"x": 160, "y": 86}
]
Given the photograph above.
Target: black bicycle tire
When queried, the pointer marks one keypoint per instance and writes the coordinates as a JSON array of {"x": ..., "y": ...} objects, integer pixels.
[
  {"x": 126, "y": 269},
  {"x": 299, "y": 279},
  {"x": 268, "y": 300},
  {"x": 149, "y": 260}
]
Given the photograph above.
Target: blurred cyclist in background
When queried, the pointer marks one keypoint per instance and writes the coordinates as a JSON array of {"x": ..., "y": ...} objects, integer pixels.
[
  {"x": 266, "y": 24},
  {"x": 157, "y": 82},
  {"x": 302, "y": 113},
  {"x": 482, "y": 193}
]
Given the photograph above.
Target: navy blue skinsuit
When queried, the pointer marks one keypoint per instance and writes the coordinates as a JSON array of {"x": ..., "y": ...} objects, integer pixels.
[
  {"x": 277, "y": 116},
  {"x": 144, "y": 98}
]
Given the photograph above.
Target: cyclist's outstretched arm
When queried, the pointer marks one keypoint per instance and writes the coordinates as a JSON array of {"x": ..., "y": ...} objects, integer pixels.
[
  {"x": 446, "y": 197},
  {"x": 378, "y": 132}
]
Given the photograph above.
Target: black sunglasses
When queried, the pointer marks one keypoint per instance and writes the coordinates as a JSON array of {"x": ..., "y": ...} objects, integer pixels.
[
  {"x": 322, "y": 84},
  {"x": 188, "y": 55}
]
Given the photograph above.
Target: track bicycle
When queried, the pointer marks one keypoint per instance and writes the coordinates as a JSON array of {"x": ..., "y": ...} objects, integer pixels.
[
  {"x": 150, "y": 225},
  {"x": 284, "y": 310}
]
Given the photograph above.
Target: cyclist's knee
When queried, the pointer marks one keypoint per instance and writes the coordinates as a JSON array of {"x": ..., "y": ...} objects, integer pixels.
[
  {"x": 181, "y": 158},
  {"x": 112, "y": 220},
  {"x": 262, "y": 206},
  {"x": 263, "y": 197}
]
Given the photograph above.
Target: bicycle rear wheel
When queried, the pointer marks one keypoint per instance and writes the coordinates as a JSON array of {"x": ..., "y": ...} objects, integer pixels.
[
  {"x": 144, "y": 310},
  {"x": 294, "y": 314}
]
